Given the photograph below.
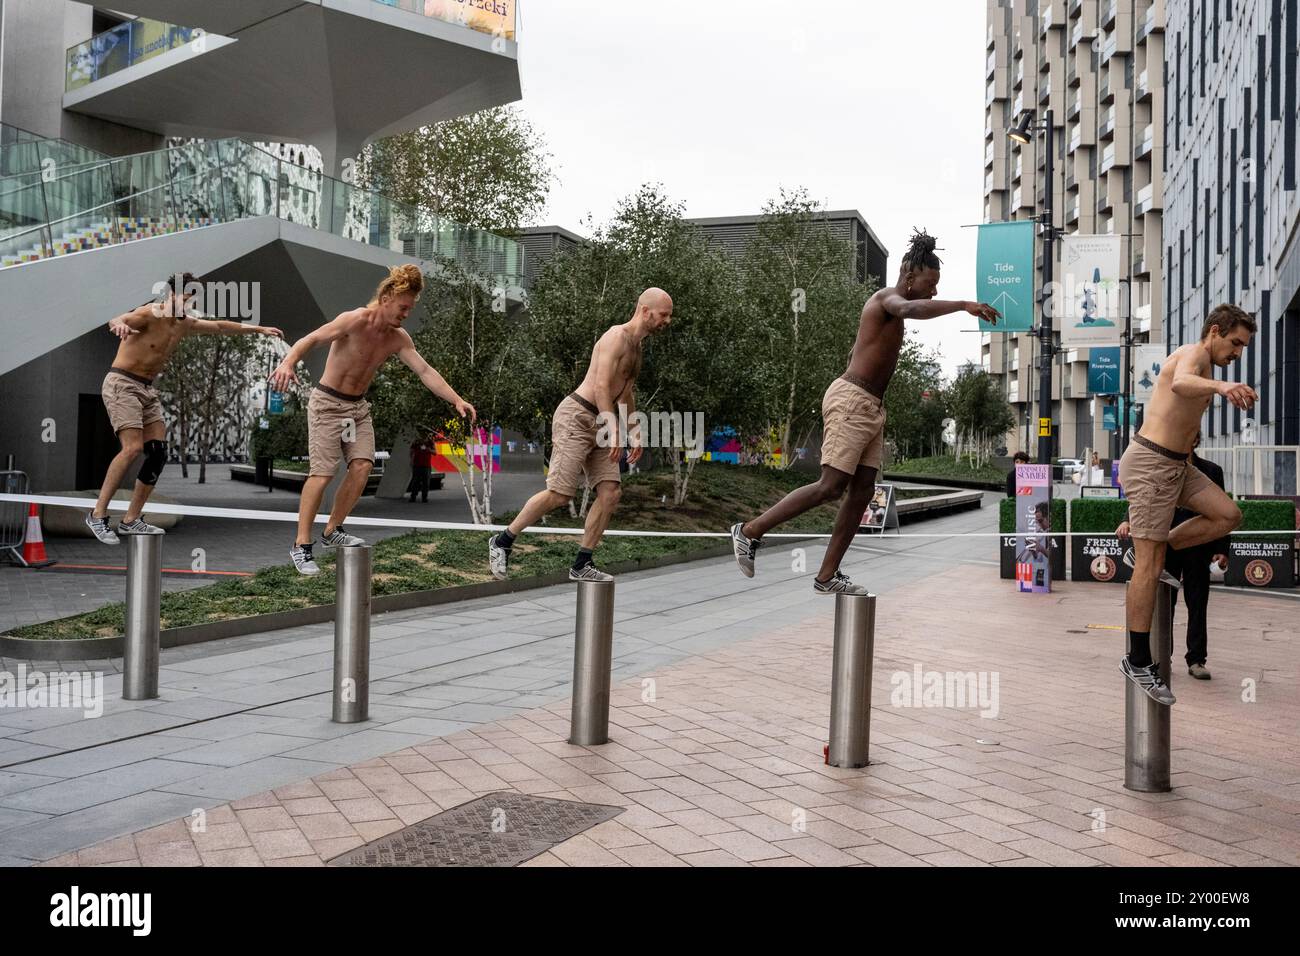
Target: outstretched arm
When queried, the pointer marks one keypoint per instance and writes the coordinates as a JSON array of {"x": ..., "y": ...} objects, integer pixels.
[
  {"x": 1192, "y": 379},
  {"x": 903, "y": 308},
  {"x": 223, "y": 327},
  {"x": 433, "y": 381},
  {"x": 286, "y": 372}
]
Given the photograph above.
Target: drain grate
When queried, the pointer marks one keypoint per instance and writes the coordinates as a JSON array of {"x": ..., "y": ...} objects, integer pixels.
[{"x": 500, "y": 829}]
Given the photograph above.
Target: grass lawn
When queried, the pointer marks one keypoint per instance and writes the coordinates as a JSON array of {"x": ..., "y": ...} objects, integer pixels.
[
  {"x": 719, "y": 495},
  {"x": 944, "y": 466}
]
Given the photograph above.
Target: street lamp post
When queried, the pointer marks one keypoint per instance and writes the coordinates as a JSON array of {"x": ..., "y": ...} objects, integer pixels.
[{"x": 1022, "y": 133}]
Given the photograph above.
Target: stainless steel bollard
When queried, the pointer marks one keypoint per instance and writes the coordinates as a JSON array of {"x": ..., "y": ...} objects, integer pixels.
[
  {"x": 352, "y": 636},
  {"x": 140, "y": 651},
  {"x": 855, "y": 638},
  {"x": 1146, "y": 723},
  {"x": 593, "y": 653}
]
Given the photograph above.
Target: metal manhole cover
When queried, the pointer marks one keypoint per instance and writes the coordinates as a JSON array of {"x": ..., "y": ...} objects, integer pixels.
[{"x": 499, "y": 829}]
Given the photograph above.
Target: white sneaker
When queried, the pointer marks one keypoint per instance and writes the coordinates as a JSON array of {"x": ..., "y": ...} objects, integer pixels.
[
  {"x": 839, "y": 584},
  {"x": 339, "y": 538},
  {"x": 589, "y": 573},
  {"x": 137, "y": 526},
  {"x": 498, "y": 559},
  {"x": 303, "y": 560},
  {"x": 100, "y": 529}
]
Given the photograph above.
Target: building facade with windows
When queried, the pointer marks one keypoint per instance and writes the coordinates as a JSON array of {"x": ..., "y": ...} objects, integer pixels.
[
  {"x": 1098, "y": 65},
  {"x": 1232, "y": 210}
]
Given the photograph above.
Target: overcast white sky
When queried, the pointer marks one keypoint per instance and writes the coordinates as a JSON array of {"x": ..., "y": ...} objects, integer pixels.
[{"x": 873, "y": 105}]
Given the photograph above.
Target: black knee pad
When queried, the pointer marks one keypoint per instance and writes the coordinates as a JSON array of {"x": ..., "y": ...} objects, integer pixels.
[{"x": 155, "y": 456}]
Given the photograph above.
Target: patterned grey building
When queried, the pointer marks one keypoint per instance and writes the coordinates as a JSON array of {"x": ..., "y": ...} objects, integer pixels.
[{"x": 1231, "y": 206}]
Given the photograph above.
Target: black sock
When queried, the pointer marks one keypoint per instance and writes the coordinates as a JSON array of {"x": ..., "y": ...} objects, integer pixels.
[
  {"x": 505, "y": 540},
  {"x": 583, "y": 559},
  {"x": 306, "y": 548},
  {"x": 1139, "y": 648}
]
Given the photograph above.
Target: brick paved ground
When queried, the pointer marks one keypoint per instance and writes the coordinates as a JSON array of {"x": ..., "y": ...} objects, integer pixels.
[{"x": 724, "y": 765}]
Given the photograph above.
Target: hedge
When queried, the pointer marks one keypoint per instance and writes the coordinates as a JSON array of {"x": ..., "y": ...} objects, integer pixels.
[
  {"x": 1007, "y": 516},
  {"x": 1103, "y": 515}
]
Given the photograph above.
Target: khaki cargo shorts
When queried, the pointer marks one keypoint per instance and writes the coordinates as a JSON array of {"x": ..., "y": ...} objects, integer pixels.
[
  {"x": 853, "y": 428},
  {"x": 330, "y": 423},
  {"x": 575, "y": 453},
  {"x": 130, "y": 404},
  {"x": 1155, "y": 485}
]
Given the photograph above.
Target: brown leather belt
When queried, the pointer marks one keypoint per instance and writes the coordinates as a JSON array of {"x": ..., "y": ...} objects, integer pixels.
[
  {"x": 1161, "y": 449},
  {"x": 861, "y": 383},
  {"x": 131, "y": 375},
  {"x": 341, "y": 396},
  {"x": 584, "y": 403}
]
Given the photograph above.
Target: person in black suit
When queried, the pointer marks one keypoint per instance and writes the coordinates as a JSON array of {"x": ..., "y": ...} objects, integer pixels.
[{"x": 1192, "y": 568}]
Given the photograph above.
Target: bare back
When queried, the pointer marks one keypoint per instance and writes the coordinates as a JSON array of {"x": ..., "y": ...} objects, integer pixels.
[
  {"x": 620, "y": 356},
  {"x": 356, "y": 356},
  {"x": 880, "y": 340},
  {"x": 147, "y": 349},
  {"x": 1172, "y": 420}
]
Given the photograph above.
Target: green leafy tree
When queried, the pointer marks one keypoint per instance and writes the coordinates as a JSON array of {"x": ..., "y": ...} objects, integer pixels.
[
  {"x": 982, "y": 415},
  {"x": 489, "y": 169},
  {"x": 916, "y": 401},
  {"x": 805, "y": 305}
]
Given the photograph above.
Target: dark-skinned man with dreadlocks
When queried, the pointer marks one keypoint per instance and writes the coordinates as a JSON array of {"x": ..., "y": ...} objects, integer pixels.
[{"x": 853, "y": 416}]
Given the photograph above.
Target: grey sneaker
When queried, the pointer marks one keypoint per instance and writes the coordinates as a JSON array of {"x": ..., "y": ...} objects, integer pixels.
[
  {"x": 1199, "y": 671},
  {"x": 1165, "y": 576},
  {"x": 589, "y": 573},
  {"x": 339, "y": 538},
  {"x": 839, "y": 584},
  {"x": 303, "y": 560},
  {"x": 137, "y": 526},
  {"x": 746, "y": 549},
  {"x": 1148, "y": 678},
  {"x": 498, "y": 559},
  {"x": 100, "y": 529}
]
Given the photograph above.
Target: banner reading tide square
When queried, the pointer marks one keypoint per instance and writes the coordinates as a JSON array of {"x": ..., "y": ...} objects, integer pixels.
[
  {"x": 1004, "y": 264},
  {"x": 1033, "y": 524}
]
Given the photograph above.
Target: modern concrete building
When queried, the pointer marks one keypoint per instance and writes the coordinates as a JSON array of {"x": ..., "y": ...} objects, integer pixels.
[
  {"x": 541, "y": 244},
  {"x": 151, "y": 139},
  {"x": 733, "y": 234},
  {"x": 1098, "y": 65},
  {"x": 1232, "y": 211}
]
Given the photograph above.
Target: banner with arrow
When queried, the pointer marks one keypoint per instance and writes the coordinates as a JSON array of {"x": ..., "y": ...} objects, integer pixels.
[
  {"x": 1004, "y": 265},
  {"x": 1103, "y": 371}
]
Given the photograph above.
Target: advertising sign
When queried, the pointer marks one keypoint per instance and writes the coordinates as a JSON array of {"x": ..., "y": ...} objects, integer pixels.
[
  {"x": 1033, "y": 526},
  {"x": 1089, "y": 306}
]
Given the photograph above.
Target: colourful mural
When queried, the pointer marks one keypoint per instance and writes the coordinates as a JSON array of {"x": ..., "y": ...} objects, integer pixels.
[{"x": 483, "y": 448}]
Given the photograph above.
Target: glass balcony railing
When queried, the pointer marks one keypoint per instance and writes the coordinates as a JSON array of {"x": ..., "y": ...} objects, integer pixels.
[
  {"x": 120, "y": 47},
  {"x": 497, "y": 17},
  {"x": 199, "y": 184}
]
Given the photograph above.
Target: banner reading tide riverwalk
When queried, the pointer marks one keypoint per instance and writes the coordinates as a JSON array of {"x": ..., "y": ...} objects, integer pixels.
[{"x": 1004, "y": 263}]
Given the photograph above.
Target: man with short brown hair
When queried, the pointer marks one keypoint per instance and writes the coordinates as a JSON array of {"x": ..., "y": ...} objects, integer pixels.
[{"x": 1158, "y": 477}]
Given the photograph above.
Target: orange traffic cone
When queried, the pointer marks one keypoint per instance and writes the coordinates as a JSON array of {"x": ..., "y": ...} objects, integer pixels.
[{"x": 33, "y": 543}]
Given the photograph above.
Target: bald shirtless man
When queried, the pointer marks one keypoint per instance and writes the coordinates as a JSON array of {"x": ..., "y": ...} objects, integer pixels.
[
  {"x": 339, "y": 426},
  {"x": 1157, "y": 476},
  {"x": 149, "y": 335},
  {"x": 578, "y": 438},
  {"x": 853, "y": 416}
]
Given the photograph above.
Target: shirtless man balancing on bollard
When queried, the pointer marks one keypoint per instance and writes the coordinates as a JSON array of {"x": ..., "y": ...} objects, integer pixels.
[
  {"x": 853, "y": 416},
  {"x": 1157, "y": 476},
  {"x": 149, "y": 335},
  {"x": 338, "y": 416},
  {"x": 576, "y": 431}
]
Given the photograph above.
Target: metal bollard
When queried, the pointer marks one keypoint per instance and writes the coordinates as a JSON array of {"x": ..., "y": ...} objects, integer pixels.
[
  {"x": 140, "y": 651},
  {"x": 855, "y": 638},
  {"x": 1146, "y": 723},
  {"x": 352, "y": 636},
  {"x": 593, "y": 653}
]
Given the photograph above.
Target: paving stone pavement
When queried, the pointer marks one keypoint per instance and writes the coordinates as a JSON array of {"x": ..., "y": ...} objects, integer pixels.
[{"x": 718, "y": 760}]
